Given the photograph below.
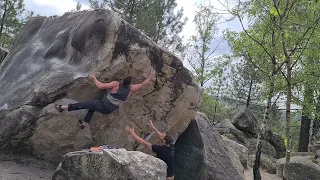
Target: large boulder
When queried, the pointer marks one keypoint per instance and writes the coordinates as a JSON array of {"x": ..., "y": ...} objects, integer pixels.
[
  {"x": 277, "y": 142},
  {"x": 3, "y": 54},
  {"x": 266, "y": 148},
  {"x": 61, "y": 131},
  {"x": 51, "y": 60},
  {"x": 229, "y": 130},
  {"x": 240, "y": 150},
  {"x": 110, "y": 164},
  {"x": 201, "y": 154},
  {"x": 267, "y": 163},
  {"x": 245, "y": 121},
  {"x": 299, "y": 168}
]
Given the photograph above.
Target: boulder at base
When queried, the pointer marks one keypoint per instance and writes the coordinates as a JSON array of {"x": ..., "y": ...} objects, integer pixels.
[
  {"x": 300, "y": 168},
  {"x": 240, "y": 150},
  {"x": 201, "y": 154},
  {"x": 110, "y": 164},
  {"x": 267, "y": 163},
  {"x": 51, "y": 60},
  {"x": 266, "y": 148}
]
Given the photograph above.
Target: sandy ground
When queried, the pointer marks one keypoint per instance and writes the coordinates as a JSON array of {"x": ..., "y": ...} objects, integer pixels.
[
  {"x": 24, "y": 168},
  {"x": 264, "y": 175}
]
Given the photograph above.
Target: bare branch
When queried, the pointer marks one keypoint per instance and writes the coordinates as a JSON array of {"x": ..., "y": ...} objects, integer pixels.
[
  {"x": 305, "y": 46},
  {"x": 214, "y": 49},
  {"x": 260, "y": 44},
  {"x": 304, "y": 34},
  {"x": 254, "y": 64},
  {"x": 275, "y": 101}
]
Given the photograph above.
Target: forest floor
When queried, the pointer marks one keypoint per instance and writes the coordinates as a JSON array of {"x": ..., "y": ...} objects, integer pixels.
[
  {"x": 264, "y": 175},
  {"x": 24, "y": 168}
]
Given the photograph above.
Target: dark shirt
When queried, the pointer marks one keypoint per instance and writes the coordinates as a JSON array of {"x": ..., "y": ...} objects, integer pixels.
[
  {"x": 122, "y": 93},
  {"x": 166, "y": 154}
]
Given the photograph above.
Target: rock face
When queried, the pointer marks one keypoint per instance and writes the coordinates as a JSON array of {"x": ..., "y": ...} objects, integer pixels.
[
  {"x": 110, "y": 164},
  {"x": 266, "y": 148},
  {"x": 268, "y": 163},
  {"x": 61, "y": 131},
  {"x": 299, "y": 168},
  {"x": 51, "y": 59},
  {"x": 243, "y": 129},
  {"x": 240, "y": 150},
  {"x": 201, "y": 154},
  {"x": 245, "y": 121},
  {"x": 3, "y": 54},
  {"x": 226, "y": 127},
  {"x": 277, "y": 142}
]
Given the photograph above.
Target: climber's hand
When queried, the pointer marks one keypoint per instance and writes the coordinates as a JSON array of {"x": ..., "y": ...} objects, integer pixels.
[
  {"x": 130, "y": 130},
  {"x": 92, "y": 77},
  {"x": 151, "y": 124},
  {"x": 152, "y": 74}
]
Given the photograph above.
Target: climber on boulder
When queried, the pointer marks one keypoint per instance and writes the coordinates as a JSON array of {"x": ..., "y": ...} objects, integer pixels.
[
  {"x": 106, "y": 105},
  {"x": 164, "y": 152}
]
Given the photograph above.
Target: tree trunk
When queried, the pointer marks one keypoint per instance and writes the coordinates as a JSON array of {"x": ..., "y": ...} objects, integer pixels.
[
  {"x": 288, "y": 77},
  {"x": 316, "y": 124},
  {"x": 310, "y": 136},
  {"x": 216, "y": 105},
  {"x": 256, "y": 165},
  {"x": 131, "y": 12},
  {"x": 3, "y": 18},
  {"x": 304, "y": 132},
  {"x": 305, "y": 121},
  {"x": 249, "y": 94}
]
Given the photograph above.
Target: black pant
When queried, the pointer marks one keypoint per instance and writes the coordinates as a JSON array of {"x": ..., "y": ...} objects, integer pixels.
[{"x": 92, "y": 106}]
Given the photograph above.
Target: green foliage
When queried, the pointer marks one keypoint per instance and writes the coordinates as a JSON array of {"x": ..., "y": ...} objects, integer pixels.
[
  {"x": 94, "y": 4},
  {"x": 245, "y": 83},
  {"x": 157, "y": 19},
  {"x": 78, "y": 7},
  {"x": 11, "y": 20},
  {"x": 200, "y": 54},
  {"x": 215, "y": 110}
]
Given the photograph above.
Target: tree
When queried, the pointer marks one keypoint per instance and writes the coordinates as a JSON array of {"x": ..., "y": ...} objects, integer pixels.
[
  {"x": 305, "y": 120},
  {"x": 200, "y": 54},
  {"x": 263, "y": 58},
  {"x": 245, "y": 85},
  {"x": 289, "y": 40},
  {"x": 78, "y": 7},
  {"x": 11, "y": 21},
  {"x": 155, "y": 18},
  {"x": 94, "y": 4}
]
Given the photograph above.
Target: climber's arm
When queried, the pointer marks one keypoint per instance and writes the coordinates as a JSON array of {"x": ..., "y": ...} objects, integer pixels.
[
  {"x": 101, "y": 85},
  {"x": 137, "y": 87},
  {"x": 159, "y": 133},
  {"x": 137, "y": 138}
]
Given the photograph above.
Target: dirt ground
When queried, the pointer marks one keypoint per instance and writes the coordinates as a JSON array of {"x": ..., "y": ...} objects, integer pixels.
[
  {"x": 264, "y": 175},
  {"x": 24, "y": 168}
]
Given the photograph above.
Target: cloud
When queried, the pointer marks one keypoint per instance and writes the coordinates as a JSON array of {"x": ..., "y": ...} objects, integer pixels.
[{"x": 54, "y": 7}]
